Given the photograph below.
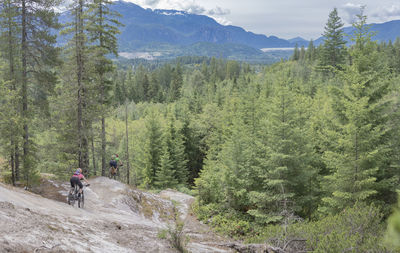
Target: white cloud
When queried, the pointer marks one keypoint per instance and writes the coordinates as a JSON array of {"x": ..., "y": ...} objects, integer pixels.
[
  {"x": 222, "y": 20},
  {"x": 385, "y": 13},
  {"x": 218, "y": 11},
  {"x": 378, "y": 14},
  {"x": 189, "y": 6},
  {"x": 350, "y": 11}
]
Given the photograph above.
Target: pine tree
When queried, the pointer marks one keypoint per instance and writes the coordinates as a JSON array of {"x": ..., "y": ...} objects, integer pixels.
[
  {"x": 154, "y": 92},
  {"x": 302, "y": 54},
  {"x": 152, "y": 149},
  {"x": 80, "y": 53},
  {"x": 296, "y": 53},
  {"x": 193, "y": 150},
  {"x": 360, "y": 132},
  {"x": 9, "y": 47},
  {"x": 238, "y": 162},
  {"x": 310, "y": 52},
  {"x": 174, "y": 90},
  {"x": 284, "y": 171},
  {"x": 165, "y": 176},
  {"x": 140, "y": 86},
  {"x": 81, "y": 58},
  {"x": 102, "y": 31},
  {"x": 34, "y": 53},
  {"x": 333, "y": 49},
  {"x": 175, "y": 146}
]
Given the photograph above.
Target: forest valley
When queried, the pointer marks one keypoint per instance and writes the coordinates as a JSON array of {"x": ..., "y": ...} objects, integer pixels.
[{"x": 302, "y": 154}]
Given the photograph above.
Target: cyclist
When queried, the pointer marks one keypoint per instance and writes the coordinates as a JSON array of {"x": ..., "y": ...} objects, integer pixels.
[
  {"x": 76, "y": 180},
  {"x": 119, "y": 163},
  {"x": 113, "y": 166}
]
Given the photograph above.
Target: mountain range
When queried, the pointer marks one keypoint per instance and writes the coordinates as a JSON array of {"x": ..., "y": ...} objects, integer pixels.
[{"x": 166, "y": 34}]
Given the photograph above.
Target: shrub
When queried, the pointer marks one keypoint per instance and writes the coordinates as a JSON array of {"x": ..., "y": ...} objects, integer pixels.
[{"x": 356, "y": 229}]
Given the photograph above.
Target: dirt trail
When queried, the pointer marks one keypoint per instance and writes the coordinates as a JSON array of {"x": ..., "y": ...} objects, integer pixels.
[
  {"x": 202, "y": 239},
  {"x": 116, "y": 218}
]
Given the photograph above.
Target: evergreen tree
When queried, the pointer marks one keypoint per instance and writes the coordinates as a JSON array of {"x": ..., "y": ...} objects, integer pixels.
[
  {"x": 232, "y": 70},
  {"x": 79, "y": 56},
  {"x": 333, "y": 49},
  {"x": 152, "y": 149},
  {"x": 310, "y": 52},
  {"x": 8, "y": 128},
  {"x": 194, "y": 150},
  {"x": 175, "y": 143},
  {"x": 282, "y": 168},
  {"x": 34, "y": 53},
  {"x": 296, "y": 53},
  {"x": 302, "y": 54},
  {"x": 102, "y": 31},
  {"x": 239, "y": 163},
  {"x": 165, "y": 176},
  {"x": 174, "y": 91},
  {"x": 9, "y": 46},
  {"x": 360, "y": 131},
  {"x": 154, "y": 93}
]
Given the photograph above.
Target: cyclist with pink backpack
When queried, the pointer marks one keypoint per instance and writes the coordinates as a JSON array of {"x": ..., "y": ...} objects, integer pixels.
[{"x": 76, "y": 180}]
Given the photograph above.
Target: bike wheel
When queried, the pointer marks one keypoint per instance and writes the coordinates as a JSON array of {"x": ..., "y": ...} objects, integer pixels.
[
  {"x": 81, "y": 201},
  {"x": 71, "y": 199}
]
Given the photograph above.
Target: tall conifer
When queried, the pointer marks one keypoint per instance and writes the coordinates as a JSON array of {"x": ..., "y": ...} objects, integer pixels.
[{"x": 333, "y": 49}]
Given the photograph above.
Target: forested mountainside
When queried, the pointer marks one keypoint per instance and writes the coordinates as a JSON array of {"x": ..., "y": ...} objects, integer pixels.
[
  {"x": 301, "y": 155},
  {"x": 167, "y": 34}
]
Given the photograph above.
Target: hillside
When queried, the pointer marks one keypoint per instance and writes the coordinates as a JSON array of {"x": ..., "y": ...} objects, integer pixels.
[
  {"x": 144, "y": 26},
  {"x": 116, "y": 218},
  {"x": 167, "y": 34}
]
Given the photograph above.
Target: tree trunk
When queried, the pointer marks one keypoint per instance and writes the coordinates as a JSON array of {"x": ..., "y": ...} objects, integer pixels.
[
  {"x": 102, "y": 99},
  {"x": 93, "y": 156},
  {"x": 103, "y": 146},
  {"x": 127, "y": 144},
  {"x": 12, "y": 164},
  {"x": 83, "y": 157},
  {"x": 17, "y": 172},
  {"x": 78, "y": 73},
  {"x": 14, "y": 146},
  {"x": 24, "y": 91}
]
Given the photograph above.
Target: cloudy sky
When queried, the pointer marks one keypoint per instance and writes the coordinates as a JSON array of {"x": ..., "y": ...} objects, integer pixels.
[{"x": 282, "y": 18}]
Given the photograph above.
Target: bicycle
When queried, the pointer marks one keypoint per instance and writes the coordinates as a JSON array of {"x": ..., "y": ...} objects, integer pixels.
[
  {"x": 114, "y": 172},
  {"x": 73, "y": 195}
]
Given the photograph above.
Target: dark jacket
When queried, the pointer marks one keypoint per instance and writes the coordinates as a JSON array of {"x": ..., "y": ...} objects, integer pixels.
[{"x": 113, "y": 163}]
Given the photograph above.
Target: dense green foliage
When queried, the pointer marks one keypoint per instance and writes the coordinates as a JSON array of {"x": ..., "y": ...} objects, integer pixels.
[{"x": 280, "y": 153}]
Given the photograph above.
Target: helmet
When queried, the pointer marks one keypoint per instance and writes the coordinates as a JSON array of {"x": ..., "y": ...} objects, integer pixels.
[
  {"x": 78, "y": 171},
  {"x": 113, "y": 157}
]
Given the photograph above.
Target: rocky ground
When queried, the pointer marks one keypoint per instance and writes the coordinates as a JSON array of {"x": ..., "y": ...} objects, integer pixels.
[{"x": 115, "y": 218}]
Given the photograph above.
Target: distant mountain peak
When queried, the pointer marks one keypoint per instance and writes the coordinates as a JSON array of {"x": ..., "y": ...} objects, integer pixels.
[{"x": 297, "y": 40}]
